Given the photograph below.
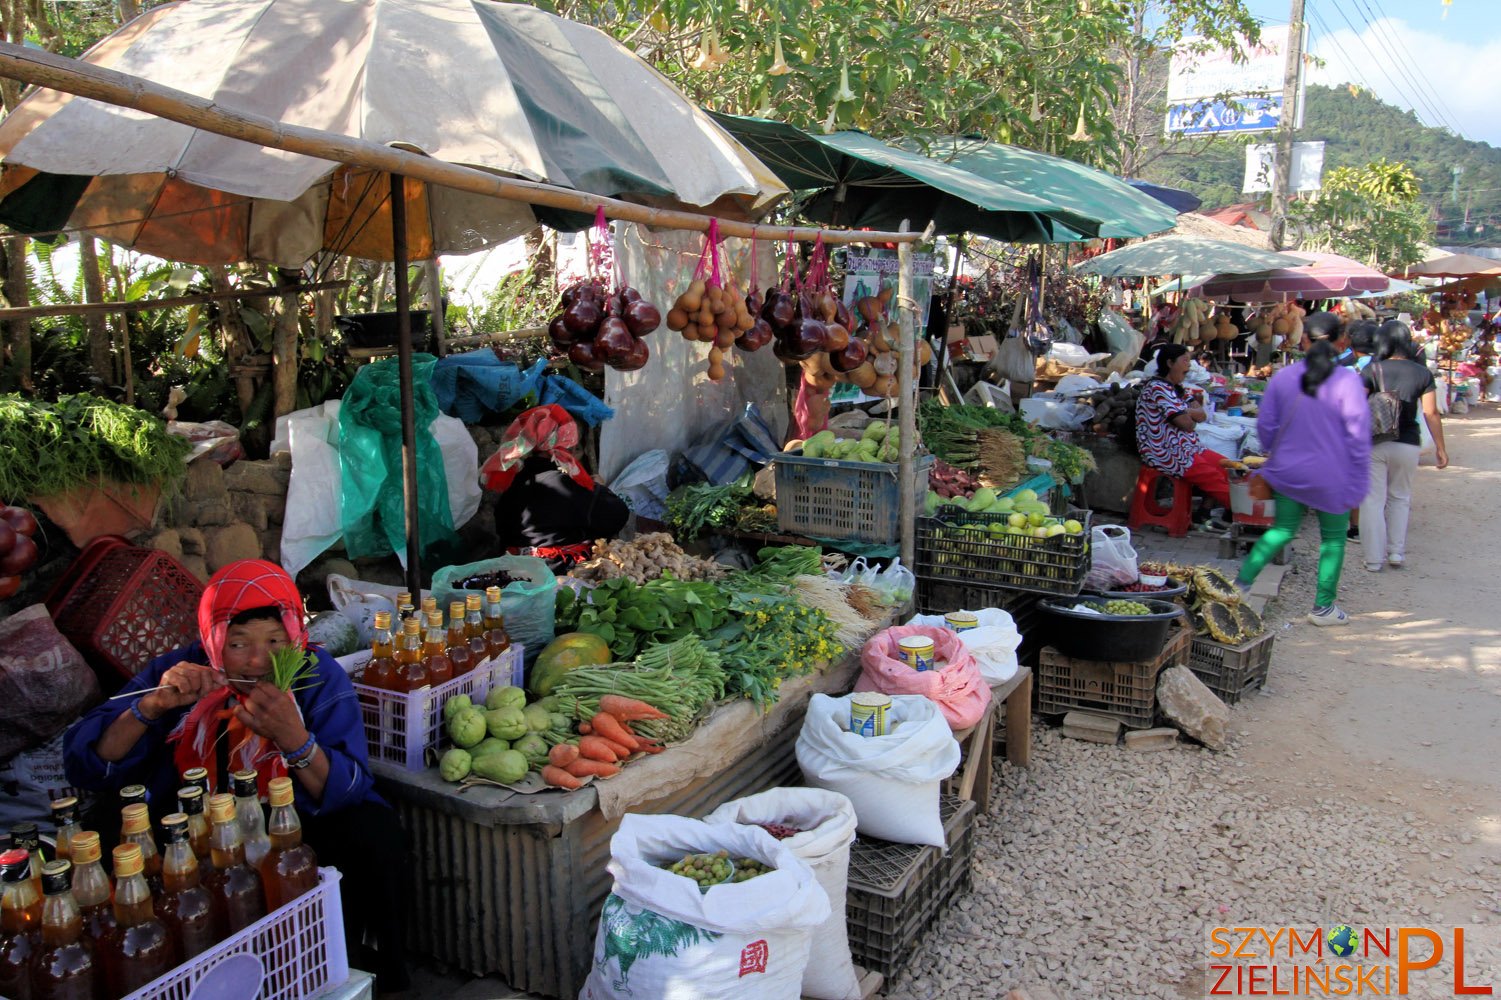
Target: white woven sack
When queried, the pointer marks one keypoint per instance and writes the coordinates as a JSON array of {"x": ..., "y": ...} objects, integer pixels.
[
  {"x": 661, "y": 937},
  {"x": 892, "y": 780},
  {"x": 992, "y": 643},
  {"x": 827, "y": 821}
]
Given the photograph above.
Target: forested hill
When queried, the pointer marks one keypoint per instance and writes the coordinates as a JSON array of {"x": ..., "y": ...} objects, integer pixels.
[{"x": 1358, "y": 128}]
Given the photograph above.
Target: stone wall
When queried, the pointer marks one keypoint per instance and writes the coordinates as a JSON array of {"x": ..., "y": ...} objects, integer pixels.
[{"x": 222, "y": 515}]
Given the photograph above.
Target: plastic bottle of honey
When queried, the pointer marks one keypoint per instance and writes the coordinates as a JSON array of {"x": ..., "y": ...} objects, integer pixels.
[
  {"x": 290, "y": 868},
  {"x": 91, "y": 888},
  {"x": 404, "y": 607},
  {"x": 65, "y": 822},
  {"x": 191, "y": 803},
  {"x": 252, "y": 819},
  {"x": 235, "y": 885},
  {"x": 497, "y": 640},
  {"x": 26, "y": 837},
  {"x": 458, "y": 641},
  {"x": 20, "y": 922},
  {"x": 139, "y": 949},
  {"x": 410, "y": 673},
  {"x": 380, "y": 672},
  {"x": 435, "y": 650},
  {"x": 429, "y": 605},
  {"x": 64, "y": 968},
  {"x": 135, "y": 828},
  {"x": 186, "y": 906},
  {"x": 474, "y": 629}
]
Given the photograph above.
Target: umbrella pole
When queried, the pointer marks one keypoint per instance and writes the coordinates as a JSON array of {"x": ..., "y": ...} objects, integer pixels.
[
  {"x": 906, "y": 311},
  {"x": 408, "y": 401}
]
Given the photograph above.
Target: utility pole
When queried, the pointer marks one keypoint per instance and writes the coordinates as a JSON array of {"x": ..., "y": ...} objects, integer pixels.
[{"x": 1292, "y": 73}]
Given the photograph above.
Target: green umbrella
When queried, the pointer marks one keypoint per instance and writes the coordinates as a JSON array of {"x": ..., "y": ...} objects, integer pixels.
[
  {"x": 1182, "y": 255},
  {"x": 859, "y": 179}
]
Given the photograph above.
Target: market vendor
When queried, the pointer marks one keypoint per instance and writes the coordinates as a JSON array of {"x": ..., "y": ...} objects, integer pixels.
[
  {"x": 212, "y": 705},
  {"x": 550, "y": 507},
  {"x": 1165, "y": 422}
]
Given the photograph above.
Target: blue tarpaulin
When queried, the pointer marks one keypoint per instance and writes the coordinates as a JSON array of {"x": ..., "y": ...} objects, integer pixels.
[{"x": 477, "y": 385}]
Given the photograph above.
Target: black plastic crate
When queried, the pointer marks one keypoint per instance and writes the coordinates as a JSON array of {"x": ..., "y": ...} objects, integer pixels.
[
  {"x": 1120, "y": 689},
  {"x": 896, "y": 890},
  {"x": 1231, "y": 672},
  {"x": 973, "y": 549}
]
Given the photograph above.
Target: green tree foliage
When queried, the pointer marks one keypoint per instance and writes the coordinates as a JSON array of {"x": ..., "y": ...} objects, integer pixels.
[{"x": 1372, "y": 213}]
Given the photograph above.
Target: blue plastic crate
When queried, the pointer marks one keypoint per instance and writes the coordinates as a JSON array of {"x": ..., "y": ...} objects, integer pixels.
[{"x": 854, "y": 501}]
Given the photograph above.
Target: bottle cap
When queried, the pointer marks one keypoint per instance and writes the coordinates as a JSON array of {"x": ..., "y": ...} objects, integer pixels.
[
  {"x": 25, "y": 836},
  {"x": 455, "y": 610},
  {"x": 221, "y": 808},
  {"x": 132, "y": 793},
  {"x": 127, "y": 861},
  {"x": 411, "y": 627},
  {"x": 492, "y": 594},
  {"x": 247, "y": 785},
  {"x": 57, "y": 877},
  {"x": 65, "y": 811},
  {"x": 135, "y": 819},
  {"x": 281, "y": 791},
  {"x": 190, "y": 800},
  {"x": 85, "y": 847},
  {"x": 429, "y": 605},
  {"x": 15, "y": 865},
  {"x": 196, "y": 776},
  {"x": 473, "y": 602},
  {"x": 435, "y": 619},
  {"x": 383, "y": 619},
  {"x": 175, "y": 828},
  {"x": 403, "y": 597}
]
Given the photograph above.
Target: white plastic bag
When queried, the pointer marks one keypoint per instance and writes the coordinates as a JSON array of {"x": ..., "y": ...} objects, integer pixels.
[
  {"x": 992, "y": 643},
  {"x": 358, "y": 601},
  {"x": 827, "y": 822},
  {"x": 893, "y": 779},
  {"x": 312, "y": 521},
  {"x": 1114, "y": 558},
  {"x": 894, "y": 583},
  {"x": 643, "y": 484},
  {"x": 661, "y": 937}
]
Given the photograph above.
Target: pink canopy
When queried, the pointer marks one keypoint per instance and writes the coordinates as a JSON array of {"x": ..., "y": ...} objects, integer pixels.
[{"x": 1329, "y": 276}]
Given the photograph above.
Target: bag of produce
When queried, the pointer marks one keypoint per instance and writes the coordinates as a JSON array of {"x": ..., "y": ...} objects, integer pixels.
[
  {"x": 1114, "y": 559},
  {"x": 993, "y": 643},
  {"x": 44, "y": 682},
  {"x": 662, "y": 935},
  {"x": 528, "y": 594},
  {"x": 818, "y": 826},
  {"x": 954, "y": 684},
  {"x": 891, "y": 780}
]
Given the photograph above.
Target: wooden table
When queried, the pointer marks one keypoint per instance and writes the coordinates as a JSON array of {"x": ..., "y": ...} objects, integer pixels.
[{"x": 978, "y": 741}]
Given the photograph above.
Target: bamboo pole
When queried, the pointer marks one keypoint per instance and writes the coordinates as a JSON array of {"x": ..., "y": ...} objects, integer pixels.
[
  {"x": 45, "y": 69},
  {"x": 141, "y": 305},
  {"x": 408, "y": 395},
  {"x": 906, "y": 313}
]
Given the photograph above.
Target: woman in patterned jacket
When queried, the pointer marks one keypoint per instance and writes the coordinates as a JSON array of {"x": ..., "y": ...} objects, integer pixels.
[{"x": 1165, "y": 436}]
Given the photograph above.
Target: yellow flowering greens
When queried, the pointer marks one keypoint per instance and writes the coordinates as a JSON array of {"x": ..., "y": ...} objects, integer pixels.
[{"x": 771, "y": 637}]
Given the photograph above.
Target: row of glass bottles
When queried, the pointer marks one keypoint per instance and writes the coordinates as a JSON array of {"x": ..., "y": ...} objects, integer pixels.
[
  {"x": 475, "y": 632},
  {"x": 70, "y": 935}
]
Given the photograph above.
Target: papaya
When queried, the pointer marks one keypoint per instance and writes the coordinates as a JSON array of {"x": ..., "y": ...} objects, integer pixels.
[{"x": 572, "y": 649}]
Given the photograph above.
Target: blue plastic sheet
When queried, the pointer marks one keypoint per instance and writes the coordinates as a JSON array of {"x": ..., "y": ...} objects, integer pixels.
[{"x": 477, "y": 385}]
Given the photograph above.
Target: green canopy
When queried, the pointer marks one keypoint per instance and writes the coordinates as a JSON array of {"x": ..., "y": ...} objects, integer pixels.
[
  {"x": 858, "y": 179},
  {"x": 1181, "y": 255}
]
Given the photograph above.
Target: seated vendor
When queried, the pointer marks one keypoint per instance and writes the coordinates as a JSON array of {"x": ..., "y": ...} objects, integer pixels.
[
  {"x": 212, "y": 705},
  {"x": 549, "y": 506},
  {"x": 1165, "y": 422}
]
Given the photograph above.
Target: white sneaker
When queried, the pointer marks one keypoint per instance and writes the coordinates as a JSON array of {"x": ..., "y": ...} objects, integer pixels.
[
  {"x": 1332, "y": 615},
  {"x": 1395, "y": 560},
  {"x": 1373, "y": 567}
]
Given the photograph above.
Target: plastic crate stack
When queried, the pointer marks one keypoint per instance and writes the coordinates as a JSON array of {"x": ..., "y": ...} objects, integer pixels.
[
  {"x": 1232, "y": 672},
  {"x": 975, "y": 550},
  {"x": 1121, "y": 690},
  {"x": 851, "y": 501}
]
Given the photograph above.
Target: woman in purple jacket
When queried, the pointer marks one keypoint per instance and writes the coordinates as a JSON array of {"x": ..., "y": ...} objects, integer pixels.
[{"x": 1316, "y": 425}]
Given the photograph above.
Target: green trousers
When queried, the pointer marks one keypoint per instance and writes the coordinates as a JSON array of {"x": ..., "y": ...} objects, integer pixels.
[{"x": 1332, "y": 531}]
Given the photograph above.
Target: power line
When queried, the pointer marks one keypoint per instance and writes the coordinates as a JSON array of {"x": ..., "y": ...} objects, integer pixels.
[
  {"x": 1401, "y": 45},
  {"x": 1397, "y": 52},
  {"x": 1419, "y": 104}
]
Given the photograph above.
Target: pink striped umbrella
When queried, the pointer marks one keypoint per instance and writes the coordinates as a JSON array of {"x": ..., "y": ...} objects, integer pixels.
[{"x": 1329, "y": 276}]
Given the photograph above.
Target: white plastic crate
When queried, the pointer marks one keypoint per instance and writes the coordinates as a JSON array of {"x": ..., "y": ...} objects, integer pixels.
[
  {"x": 401, "y": 728},
  {"x": 300, "y": 947}
]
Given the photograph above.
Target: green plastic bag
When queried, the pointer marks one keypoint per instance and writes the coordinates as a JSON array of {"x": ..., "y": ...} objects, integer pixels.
[
  {"x": 372, "y": 507},
  {"x": 529, "y": 601}
]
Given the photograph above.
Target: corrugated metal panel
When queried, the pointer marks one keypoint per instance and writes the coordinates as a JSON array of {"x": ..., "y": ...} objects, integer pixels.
[{"x": 522, "y": 902}]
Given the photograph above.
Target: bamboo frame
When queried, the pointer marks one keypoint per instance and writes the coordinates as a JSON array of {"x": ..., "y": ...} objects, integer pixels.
[
  {"x": 143, "y": 305},
  {"x": 44, "y": 69}
]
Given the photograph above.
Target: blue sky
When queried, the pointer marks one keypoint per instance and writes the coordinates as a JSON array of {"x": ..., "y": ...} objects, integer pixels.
[{"x": 1440, "y": 61}]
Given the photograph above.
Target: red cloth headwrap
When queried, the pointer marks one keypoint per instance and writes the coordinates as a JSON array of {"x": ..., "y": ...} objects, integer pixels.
[{"x": 549, "y": 430}]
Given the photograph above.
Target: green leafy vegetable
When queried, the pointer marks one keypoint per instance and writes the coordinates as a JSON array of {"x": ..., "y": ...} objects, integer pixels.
[{"x": 291, "y": 666}]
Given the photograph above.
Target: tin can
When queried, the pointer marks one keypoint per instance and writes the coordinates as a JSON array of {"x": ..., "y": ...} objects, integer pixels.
[
  {"x": 868, "y": 713},
  {"x": 916, "y": 651},
  {"x": 961, "y": 621}
]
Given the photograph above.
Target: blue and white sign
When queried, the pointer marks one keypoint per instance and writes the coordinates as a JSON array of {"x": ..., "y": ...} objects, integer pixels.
[{"x": 1225, "y": 116}]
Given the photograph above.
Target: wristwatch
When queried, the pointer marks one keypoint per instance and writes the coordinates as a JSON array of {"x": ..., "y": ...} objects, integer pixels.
[
  {"x": 305, "y": 760},
  {"x": 303, "y": 755}
]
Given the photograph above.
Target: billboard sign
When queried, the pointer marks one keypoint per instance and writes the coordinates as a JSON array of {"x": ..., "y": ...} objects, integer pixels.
[
  {"x": 1218, "y": 91},
  {"x": 1307, "y": 172}
]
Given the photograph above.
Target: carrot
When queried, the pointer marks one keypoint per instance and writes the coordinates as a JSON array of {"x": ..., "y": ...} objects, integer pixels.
[
  {"x": 563, "y": 754},
  {"x": 614, "y": 730},
  {"x": 650, "y": 747},
  {"x": 584, "y": 767},
  {"x": 629, "y": 709},
  {"x": 597, "y": 748},
  {"x": 621, "y": 750},
  {"x": 559, "y": 778},
  {"x": 585, "y": 728}
]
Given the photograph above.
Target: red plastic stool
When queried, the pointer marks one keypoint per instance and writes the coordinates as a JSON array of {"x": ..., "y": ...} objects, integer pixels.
[{"x": 1146, "y": 511}]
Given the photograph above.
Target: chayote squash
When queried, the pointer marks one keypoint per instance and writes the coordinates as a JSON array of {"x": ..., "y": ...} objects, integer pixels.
[
  {"x": 489, "y": 745},
  {"x": 455, "y": 765},
  {"x": 467, "y": 727},
  {"x": 505, "y": 724},
  {"x": 533, "y": 747},
  {"x": 505, "y": 697},
  {"x": 537, "y": 718},
  {"x": 506, "y": 767},
  {"x": 456, "y": 704}
]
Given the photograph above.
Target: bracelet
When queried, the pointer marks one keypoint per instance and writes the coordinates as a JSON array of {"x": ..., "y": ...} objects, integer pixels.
[
  {"x": 135, "y": 710},
  {"x": 303, "y": 751}
]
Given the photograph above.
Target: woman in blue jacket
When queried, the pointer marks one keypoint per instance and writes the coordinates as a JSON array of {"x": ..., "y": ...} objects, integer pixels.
[{"x": 212, "y": 705}]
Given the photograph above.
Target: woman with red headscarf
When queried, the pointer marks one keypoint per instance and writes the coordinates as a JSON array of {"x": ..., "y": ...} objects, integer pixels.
[
  {"x": 212, "y": 705},
  {"x": 549, "y": 506}
]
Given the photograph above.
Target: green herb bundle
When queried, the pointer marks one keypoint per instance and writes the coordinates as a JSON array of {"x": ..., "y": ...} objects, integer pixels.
[
  {"x": 52, "y": 448},
  {"x": 690, "y": 509},
  {"x": 292, "y": 667}
]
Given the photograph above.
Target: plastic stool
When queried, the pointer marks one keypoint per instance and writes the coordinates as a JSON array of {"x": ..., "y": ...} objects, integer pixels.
[{"x": 1147, "y": 512}]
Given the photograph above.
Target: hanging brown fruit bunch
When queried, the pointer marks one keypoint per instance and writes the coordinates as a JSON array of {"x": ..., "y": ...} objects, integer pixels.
[
  {"x": 711, "y": 309},
  {"x": 595, "y": 326}
]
